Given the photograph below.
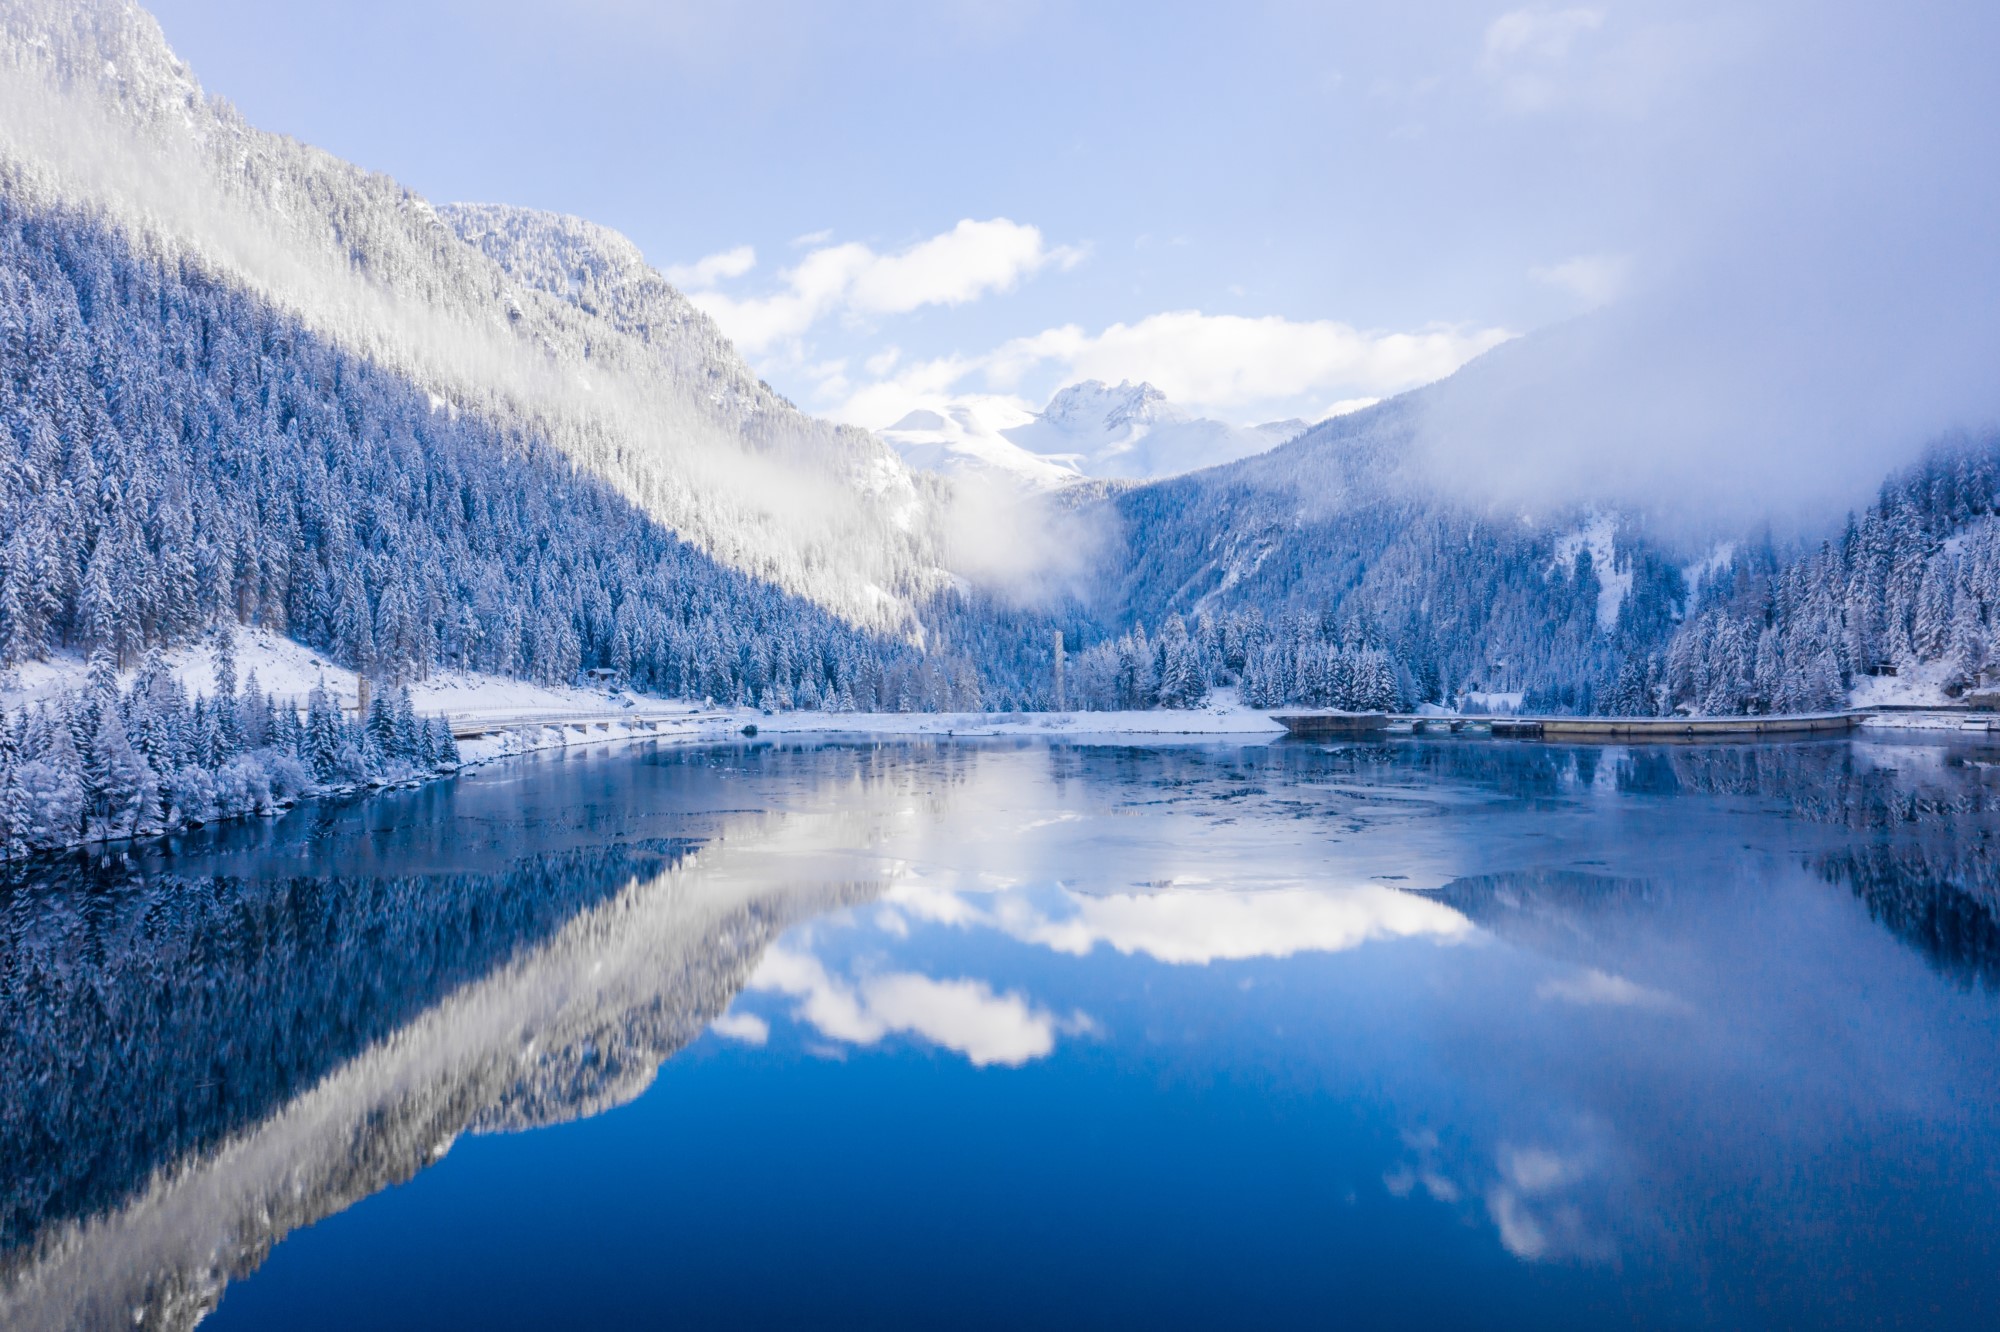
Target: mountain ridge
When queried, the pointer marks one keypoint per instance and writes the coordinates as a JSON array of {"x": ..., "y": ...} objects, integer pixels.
[{"x": 105, "y": 114}]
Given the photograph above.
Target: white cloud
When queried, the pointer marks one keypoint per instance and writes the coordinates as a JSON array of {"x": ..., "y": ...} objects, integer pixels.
[
  {"x": 1536, "y": 1210},
  {"x": 1526, "y": 48},
  {"x": 1200, "y": 361},
  {"x": 972, "y": 260},
  {"x": 961, "y": 1015},
  {"x": 745, "y": 1027},
  {"x": 1595, "y": 279},
  {"x": 706, "y": 272},
  {"x": 1538, "y": 34},
  {"x": 1225, "y": 360},
  {"x": 930, "y": 384},
  {"x": 961, "y": 265}
]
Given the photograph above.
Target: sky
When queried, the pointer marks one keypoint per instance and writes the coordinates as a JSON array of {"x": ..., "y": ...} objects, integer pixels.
[{"x": 1272, "y": 208}]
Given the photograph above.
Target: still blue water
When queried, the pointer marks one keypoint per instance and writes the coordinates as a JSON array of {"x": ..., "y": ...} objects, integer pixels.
[{"x": 1452, "y": 1033}]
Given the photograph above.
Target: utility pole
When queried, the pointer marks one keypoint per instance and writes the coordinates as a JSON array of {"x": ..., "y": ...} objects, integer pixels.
[
  {"x": 361, "y": 695},
  {"x": 1061, "y": 704}
]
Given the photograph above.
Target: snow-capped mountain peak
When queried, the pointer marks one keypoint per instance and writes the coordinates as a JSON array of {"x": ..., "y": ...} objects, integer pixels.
[
  {"x": 1089, "y": 429},
  {"x": 1094, "y": 405},
  {"x": 1132, "y": 431}
]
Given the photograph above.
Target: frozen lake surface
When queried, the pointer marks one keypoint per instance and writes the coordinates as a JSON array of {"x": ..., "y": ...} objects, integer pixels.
[{"x": 1010, "y": 1033}]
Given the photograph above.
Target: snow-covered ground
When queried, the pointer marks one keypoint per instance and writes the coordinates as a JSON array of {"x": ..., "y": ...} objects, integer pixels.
[
  {"x": 1494, "y": 702},
  {"x": 1222, "y": 716},
  {"x": 288, "y": 671},
  {"x": 1919, "y": 686}
]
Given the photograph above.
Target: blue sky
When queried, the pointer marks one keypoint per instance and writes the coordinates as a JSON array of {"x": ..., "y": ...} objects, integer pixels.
[{"x": 1266, "y": 208}]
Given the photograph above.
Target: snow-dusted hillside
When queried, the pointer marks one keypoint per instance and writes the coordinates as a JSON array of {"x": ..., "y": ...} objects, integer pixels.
[{"x": 543, "y": 324}]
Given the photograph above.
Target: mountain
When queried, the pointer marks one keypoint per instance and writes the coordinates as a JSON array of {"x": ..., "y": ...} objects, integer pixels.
[
  {"x": 1088, "y": 430},
  {"x": 241, "y": 380},
  {"x": 968, "y": 440},
  {"x": 1341, "y": 527},
  {"x": 1130, "y": 431},
  {"x": 548, "y": 324},
  {"x": 244, "y": 381}
]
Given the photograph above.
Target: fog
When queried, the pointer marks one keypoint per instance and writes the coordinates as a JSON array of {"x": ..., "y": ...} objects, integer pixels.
[{"x": 1814, "y": 294}]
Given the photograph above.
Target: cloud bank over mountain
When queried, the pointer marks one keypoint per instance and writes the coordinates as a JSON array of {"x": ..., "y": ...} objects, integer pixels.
[{"x": 1814, "y": 297}]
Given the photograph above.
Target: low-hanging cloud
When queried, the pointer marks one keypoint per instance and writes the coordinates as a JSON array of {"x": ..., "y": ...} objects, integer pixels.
[
  {"x": 1814, "y": 294},
  {"x": 1219, "y": 363},
  {"x": 1230, "y": 360}
]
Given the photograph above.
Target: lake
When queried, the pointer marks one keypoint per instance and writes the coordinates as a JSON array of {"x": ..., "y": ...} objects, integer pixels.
[{"x": 997, "y": 1034}]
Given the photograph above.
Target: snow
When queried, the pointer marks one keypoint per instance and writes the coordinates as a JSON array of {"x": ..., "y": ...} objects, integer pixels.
[
  {"x": 1705, "y": 568},
  {"x": 1597, "y": 536},
  {"x": 1955, "y": 544},
  {"x": 1914, "y": 685},
  {"x": 1222, "y": 716},
  {"x": 1130, "y": 431},
  {"x": 1493, "y": 702},
  {"x": 286, "y": 670},
  {"x": 1089, "y": 429},
  {"x": 527, "y": 717},
  {"x": 967, "y": 437}
]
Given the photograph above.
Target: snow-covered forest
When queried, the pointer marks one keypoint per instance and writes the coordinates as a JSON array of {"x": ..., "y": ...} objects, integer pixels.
[
  {"x": 181, "y": 455},
  {"x": 104, "y": 762},
  {"x": 1911, "y": 584}
]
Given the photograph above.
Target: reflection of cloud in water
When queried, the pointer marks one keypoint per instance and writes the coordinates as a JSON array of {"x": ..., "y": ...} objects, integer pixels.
[
  {"x": 1196, "y": 925},
  {"x": 1534, "y": 1209},
  {"x": 961, "y": 1015},
  {"x": 1206, "y": 925},
  {"x": 1540, "y": 1199},
  {"x": 745, "y": 1027},
  {"x": 1594, "y": 988}
]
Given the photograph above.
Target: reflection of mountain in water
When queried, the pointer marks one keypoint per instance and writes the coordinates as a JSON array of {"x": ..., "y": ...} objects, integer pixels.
[
  {"x": 1555, "y": 912},
  {"x": 1921, "y": 858},
  {"x": 287, "y": 1047},
  {"x": 1925, "y": 869},
  {"x": 1943, "y": 900},
  {"x": 225, "y": 998}
]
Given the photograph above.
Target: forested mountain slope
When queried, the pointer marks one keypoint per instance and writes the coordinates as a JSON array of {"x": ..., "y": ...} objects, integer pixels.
[
  {"x": 1341, "y": 539},
  {"x": 1341, "y": 527},
  {"x": 542, "y": 327},
  {"x": 1911, "y": 585},
  {"x": 179, "y": 453}
]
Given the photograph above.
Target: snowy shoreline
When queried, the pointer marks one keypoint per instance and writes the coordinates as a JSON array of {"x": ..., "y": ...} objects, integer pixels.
[{"x": 519, "y": 717}]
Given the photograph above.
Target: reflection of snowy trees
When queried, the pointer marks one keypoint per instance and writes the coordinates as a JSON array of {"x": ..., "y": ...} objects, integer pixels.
[
  {"x": 288, "y": 1045},
  {"x": 169, "y": 969}
]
